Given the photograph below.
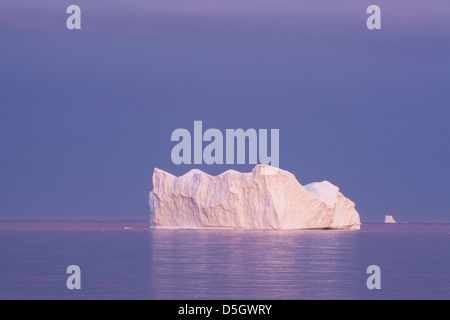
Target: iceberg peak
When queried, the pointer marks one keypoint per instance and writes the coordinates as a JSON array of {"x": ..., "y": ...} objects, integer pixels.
[{"x": 325, "y": 191}]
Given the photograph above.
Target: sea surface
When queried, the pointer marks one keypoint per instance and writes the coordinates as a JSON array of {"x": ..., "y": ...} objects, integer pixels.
[{"x": 126, "y": 260}]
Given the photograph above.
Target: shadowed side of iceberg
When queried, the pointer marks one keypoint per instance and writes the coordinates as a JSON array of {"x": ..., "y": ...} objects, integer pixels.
[{"x": 266, "y": 198}]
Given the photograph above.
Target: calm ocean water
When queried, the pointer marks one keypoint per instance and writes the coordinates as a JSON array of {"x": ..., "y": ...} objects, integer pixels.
[{"x": 222, "y": 264}]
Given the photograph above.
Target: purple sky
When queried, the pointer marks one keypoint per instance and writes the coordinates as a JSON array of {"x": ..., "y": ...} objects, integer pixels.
[{"x": 86, "y": 115}]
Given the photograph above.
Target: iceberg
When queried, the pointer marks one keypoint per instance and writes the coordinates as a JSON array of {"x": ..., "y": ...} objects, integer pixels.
[
  {"x": 389, "y": 219},
  {"x": 266, "y": 198}
]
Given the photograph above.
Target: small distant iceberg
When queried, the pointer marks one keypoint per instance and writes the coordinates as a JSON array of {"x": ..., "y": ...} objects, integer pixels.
[
  {"x": 128, "y": 228},
  {"x": 389, "y": 219}
]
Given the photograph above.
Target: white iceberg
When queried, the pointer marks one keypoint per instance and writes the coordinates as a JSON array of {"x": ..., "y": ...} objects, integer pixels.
[
  {"x": 266, "y": 198},
  {"x": 389, "y": 219}
]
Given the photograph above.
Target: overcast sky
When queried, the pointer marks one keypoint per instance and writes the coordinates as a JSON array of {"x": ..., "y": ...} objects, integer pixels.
[{"x": 86, "y": 115}]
